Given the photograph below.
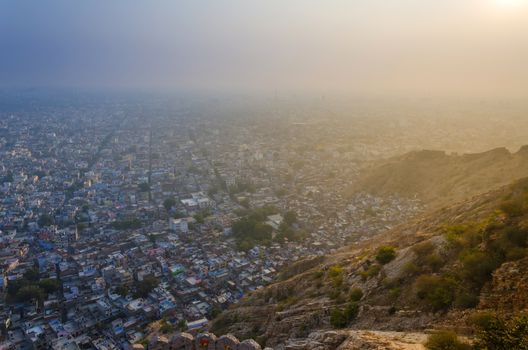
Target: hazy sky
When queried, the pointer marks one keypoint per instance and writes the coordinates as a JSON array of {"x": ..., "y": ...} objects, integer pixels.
[{"x": 450, "y": 47}]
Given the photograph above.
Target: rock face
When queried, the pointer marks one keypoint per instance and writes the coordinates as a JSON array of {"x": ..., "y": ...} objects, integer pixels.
[
  {"x": 204, "y": 341},
  {"x": 352, "y": 340},
  {"x": 507, "y": 292}
]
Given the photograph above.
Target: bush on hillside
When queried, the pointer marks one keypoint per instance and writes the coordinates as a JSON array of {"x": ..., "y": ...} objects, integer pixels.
[
  {"x": 445, "y": 340},
  {"x": 497, "y": 333},
  {"x": 513, "y": 208},
  {"x": 356, "y": 294},
  {"x": 478, "y": 266},
  {"x": 385, "y": 255},
  {"x": 437, "y": 291},
  {"x": 372, "y": 271},
  {"x": 423, "y": 249},
  {"x": 341, "y": 318}
]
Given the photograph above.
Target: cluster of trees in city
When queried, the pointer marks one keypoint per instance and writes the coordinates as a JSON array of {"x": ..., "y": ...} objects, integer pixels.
[
  {"x": 31, "y": 287},
  {"x": 201, "y": 215},
  {"x": 140, "y": 289},
  {"x": 45, "y": 220},
  {"x": 240, "y": 186},
  {"x": 127, "y": 224},
  {"x": 252, "y": 229},
  {"x": 169, "y": 203},
  {"x": 289, "y": 229},
  {"x": 144, "y": 187},
  {"x": 69, "y": 192}
]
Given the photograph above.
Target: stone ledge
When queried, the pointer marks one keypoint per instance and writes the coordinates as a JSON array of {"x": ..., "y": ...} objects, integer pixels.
[{"x": 203, "y": 341}]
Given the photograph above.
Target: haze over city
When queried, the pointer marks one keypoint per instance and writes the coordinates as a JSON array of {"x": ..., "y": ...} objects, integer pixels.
[
  {"x": 407, "y": 47},
  {"x": 276, "y": 174}
]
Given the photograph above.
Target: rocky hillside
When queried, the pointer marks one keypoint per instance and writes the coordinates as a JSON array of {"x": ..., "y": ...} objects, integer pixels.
[
  {"x": 438, "y": 178},
  {"x": 436, "y": 271}
]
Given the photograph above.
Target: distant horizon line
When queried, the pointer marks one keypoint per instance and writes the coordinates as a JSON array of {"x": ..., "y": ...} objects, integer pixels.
[{"x": 251, "y": 93}]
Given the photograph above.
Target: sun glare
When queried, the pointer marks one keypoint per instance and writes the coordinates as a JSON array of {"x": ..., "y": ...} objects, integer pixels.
[{"x": 510, "y": 4}]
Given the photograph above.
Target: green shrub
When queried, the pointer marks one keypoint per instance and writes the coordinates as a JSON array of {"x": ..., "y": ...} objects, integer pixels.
[
  {"x": 337, "y": 282},
  {"x": 466, "y": 300},
  {"x": 318, "y": 275},
  {"x": 341, "y": 318},
  {"x": 356, "y": 294},
  {"x": 335, "y": 271},
  {"x": 336, "y": 275},
  {"x": 395, "y": 292},
  {"x": 423, "y": 249},
  {"x": 434, "y": 261},
  {"x": 337, "y": 319},
  {"x": 385, "y": 255},
  {"x": 497, "y": 333},
  {"x": 478, "y": 266},
  {"x": 439, "y": 292},
  {"x": 517, "y": 236},
  {"x": 445, "y": 340},
  {"x": 411, "y": 269},
  {"x": 334, "y": 294},
  {"x": 351, "y": 311},
  {"x": 483, "y": 319},
  {"x": 464, "y": 235},
  {"x": 513, "y": 207},
  {"x": 372, "y": 271}
]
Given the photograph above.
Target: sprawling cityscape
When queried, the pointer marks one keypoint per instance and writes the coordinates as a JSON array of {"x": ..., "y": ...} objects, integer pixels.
[
  {"x": 111, "y": 220},
  {"x": 264, "y": 175}
]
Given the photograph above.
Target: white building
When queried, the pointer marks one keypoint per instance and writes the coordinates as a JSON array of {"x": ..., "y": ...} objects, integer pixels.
[{"x": 178, "y": 225}]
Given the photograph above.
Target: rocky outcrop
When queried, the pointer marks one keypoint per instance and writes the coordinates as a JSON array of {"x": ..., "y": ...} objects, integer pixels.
[
  {"x": 203, "y": 341},
  {"x": 353, "y": 339},
  {"x": 507, "y": 291}
]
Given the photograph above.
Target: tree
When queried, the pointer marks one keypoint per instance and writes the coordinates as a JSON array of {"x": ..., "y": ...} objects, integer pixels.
[
  {"x": 169, "y": 203},
  {"x": 262, "y": 231},
  {"x": 152, "y": 238},
  {"x": 244, "y": 245},
  {"x": 179, "y": 215},
  {"x": 182, "y": 325},
  {"x": 122, "y": 290},
  {"x": 130, "y": 224},
  {"x": 290, "y": 217},
  {"x": 32, "y": 275},
  {"x": 28, "y": 293},
  {"x": 49, "y": 285},
  {"x": 146, "y": 286},
  {"x": 144, "y": 187},
  {"x": 45, "y": 220}
]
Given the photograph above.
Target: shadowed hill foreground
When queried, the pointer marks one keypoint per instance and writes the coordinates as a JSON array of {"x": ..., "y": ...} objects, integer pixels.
[
  {"x": 438, "y": 178},
  {"x": 438, "y": 271}
]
